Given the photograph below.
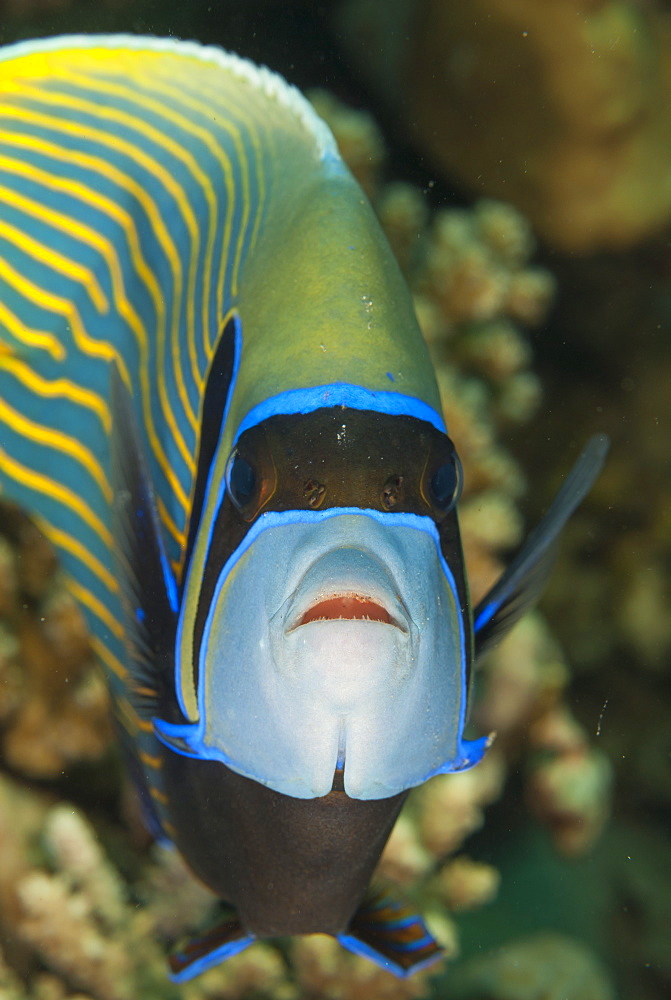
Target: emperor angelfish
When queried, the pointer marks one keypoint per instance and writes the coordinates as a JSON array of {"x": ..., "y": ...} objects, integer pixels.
[{"x": 216, "y": 402}]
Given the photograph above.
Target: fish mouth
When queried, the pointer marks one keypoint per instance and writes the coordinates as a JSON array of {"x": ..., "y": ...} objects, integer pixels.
[
  {"x": 346, "y": 584},
  {"x": 347, "y": 606}
]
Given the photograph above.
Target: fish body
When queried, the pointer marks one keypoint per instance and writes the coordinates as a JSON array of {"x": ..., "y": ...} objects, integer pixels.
[{"x": 216, "y": 401}]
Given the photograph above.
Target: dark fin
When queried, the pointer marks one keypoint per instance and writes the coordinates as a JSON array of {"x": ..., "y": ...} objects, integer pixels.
[
  {"x": 523, "y": 581},
  {"x": 217, "y": 391},
  {"x": 148, "y": 588},
  {"x": 214, "y": 946},
  {"x": 390, "y": 934},
  {"x": 149, "y": 814}
]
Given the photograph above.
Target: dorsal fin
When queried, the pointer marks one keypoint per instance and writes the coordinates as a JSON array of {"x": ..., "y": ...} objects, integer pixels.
[{"x": 523, "y": 581}]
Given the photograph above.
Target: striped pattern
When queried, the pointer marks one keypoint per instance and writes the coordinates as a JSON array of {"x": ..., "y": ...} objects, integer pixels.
[{"x": 134, "y": 179}]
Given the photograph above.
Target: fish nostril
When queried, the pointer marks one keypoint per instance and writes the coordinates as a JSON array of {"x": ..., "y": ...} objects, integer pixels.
[
  {"x": 313, "y": 492},
  {"x": 349, "y": 607}
]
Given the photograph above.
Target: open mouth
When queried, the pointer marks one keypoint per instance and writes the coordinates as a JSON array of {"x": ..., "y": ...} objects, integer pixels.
[
  {"x": 347, "y": 607},
  {"x": 346, "y": 583}
]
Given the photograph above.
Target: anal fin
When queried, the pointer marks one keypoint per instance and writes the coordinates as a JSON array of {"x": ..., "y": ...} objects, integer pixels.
[
  {"x": 392, "y": 935},
  {"x": 223, "y": 940}
]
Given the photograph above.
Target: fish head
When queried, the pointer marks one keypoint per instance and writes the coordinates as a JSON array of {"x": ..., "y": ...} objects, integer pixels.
[{"x": 336, "y": 635}]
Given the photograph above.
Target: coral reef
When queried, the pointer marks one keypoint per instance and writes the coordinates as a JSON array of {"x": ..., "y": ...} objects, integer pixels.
[
  {"x": 74, "y": 915},
  {"x": 544, "y": 967},
  {"x": 53, "y": 703},
  {"x": 560, "y": 108},
  {"x": 610, "y": 595}
]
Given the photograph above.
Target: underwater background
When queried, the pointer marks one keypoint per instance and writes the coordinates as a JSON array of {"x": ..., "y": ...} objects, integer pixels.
[{"x": 518, "y": 153}]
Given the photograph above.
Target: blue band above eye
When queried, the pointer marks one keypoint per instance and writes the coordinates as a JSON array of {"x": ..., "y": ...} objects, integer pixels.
[{"x": 341, "y": 394}]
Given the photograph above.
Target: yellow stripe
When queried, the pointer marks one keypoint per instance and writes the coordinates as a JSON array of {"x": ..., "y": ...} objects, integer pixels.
[
  {"x": 129, "y": 717},
  {"x": 57, "y": 262},
  {"x": 76, "y": 230},
  {"x": 62, "y": 540},
  {"x": 159, "y": 796},
  {"x": 60, "y": 388},
  {"x": 108, "y": 658},
  {"x": 165, "y": 86},
  {"x": 64, "y": 223},
  {"x": 127, "y": 184},
  {"x": 255, "y": 120},
  {"x": 65, "y": 308},
  {"x": 60, "y": 442},
  {"x": 144, "y": 691},
  {"x": 95, "y": 164},
  {"x": 133, "y": 152},
  {"x": 126, "y": 715},
  {"x": 91, "y": 237},
  {"x": 169, "y": 523},
  {"x": 71, "y": 226},
  {"x": 39, "y": 339},
  {"x": 145, "y": 727},
  {"x": 226, "y": 104},
  {"x": 155, "y": 762},
  {"x": 140, "y": 125},
  {"x": 49, "y": 487},
  {"x": 107, "y": 250},
  {"x": 89, "y": 600}
]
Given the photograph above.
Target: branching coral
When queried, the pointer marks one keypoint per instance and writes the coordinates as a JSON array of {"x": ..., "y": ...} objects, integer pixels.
[
  {"x": 542, "y": 967},
  {"x": 53, "y": 704},
  {"x": 75, "y": 915}
]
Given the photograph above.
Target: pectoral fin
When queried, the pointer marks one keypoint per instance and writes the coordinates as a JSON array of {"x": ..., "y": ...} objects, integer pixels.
[
  {"x": 523, "y": 581},
  {"x": 389, "y": 933},
  {"x": 200, "y": 953},
  {"x": 148, "y": 588}
]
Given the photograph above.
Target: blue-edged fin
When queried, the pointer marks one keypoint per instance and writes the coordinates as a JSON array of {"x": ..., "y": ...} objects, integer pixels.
[
  {"x": 225, "y": 939},
  {"x": 521, "y": 584},
  {"x": 148, "y": 587},
  {"x": 389, "y": 933}
]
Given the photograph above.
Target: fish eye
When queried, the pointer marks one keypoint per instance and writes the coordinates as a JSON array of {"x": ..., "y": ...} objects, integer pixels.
[
  {"x": 446, "y": 483},
  {"x": 240, "y": 480}
]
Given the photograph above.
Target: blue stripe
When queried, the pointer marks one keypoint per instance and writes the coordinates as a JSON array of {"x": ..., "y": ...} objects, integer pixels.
[
  {"x": 358, "y": 947},
  {"x": 486, "y": 615},
  {"x": 212, "y": 958},
  {"x": 341, "y": 394}
]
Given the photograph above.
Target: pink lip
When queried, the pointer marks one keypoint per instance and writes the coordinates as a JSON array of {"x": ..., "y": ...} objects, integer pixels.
[{"x": 348, "y": 607}]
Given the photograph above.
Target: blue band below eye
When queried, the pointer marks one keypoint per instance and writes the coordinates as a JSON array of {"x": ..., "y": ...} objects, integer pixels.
[{"x": 341, "y": 394}]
